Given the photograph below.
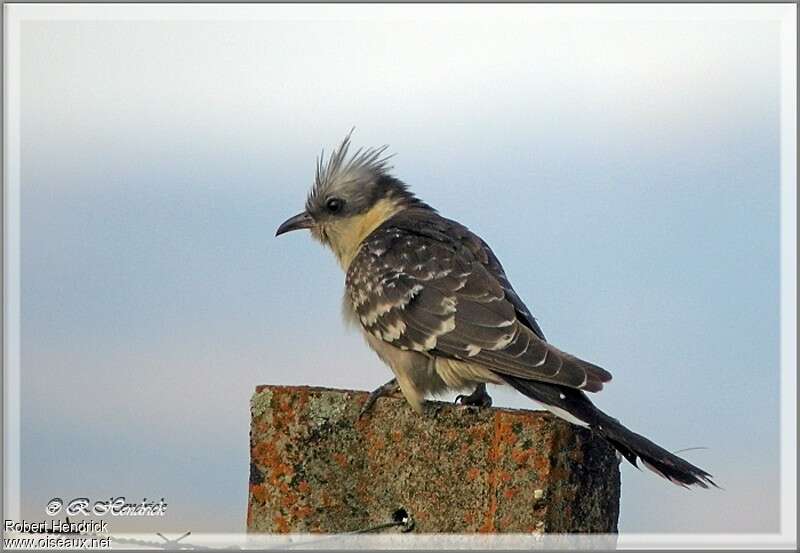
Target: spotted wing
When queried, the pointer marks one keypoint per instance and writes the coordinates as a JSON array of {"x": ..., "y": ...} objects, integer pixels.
[{"x": 427, "y": 284}]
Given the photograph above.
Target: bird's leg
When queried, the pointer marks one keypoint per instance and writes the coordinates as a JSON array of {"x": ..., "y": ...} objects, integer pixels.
[
  {"x": 478, "y": 398},
  {"x": 391, "y": 387}
]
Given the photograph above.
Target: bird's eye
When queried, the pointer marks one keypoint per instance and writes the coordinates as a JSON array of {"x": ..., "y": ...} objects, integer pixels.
[{"x": 334, "y": 205}]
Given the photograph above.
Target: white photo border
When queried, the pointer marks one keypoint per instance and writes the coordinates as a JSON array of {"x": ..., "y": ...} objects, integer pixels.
[{"x": 785, "y": 13}]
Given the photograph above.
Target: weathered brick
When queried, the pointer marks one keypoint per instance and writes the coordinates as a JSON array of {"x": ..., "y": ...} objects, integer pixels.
[{"x": 315, "y": 467}]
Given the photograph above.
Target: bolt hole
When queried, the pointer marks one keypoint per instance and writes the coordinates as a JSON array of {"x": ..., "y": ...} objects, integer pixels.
[{"x": 401, "y": 516}]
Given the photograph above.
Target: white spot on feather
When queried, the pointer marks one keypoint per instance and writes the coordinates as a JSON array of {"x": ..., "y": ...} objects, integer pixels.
[
  {"x": 503, "y": 342},
  {"x": 360, "y": 298},
  {"x": 430, "y": 343},
  {"x": 473, "y": 350},
  {"x": 447, "y": 325},
  {"x": 370, "y": 318},
  {"x": 394, "y": 331}
]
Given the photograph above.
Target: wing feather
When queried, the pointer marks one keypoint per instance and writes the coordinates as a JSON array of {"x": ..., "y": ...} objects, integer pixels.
[{"x": 425, "y": 283}]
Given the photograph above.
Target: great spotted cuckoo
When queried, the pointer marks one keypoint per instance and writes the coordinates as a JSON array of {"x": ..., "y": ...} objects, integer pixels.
[{"x": 435, "y": 304}]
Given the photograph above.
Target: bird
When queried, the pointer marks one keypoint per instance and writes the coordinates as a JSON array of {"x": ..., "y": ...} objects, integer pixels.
[{"x": 434, "y": 302}]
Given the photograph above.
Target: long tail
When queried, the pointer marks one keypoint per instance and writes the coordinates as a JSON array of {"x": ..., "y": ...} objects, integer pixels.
[{"x": 574, "y": 406}]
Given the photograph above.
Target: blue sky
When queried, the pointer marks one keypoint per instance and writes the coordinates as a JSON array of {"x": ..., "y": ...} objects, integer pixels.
[{"x": 625, "y": 172}]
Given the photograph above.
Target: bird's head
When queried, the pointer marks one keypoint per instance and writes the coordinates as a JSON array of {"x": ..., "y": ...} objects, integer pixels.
[{"x": 351, "y": 197}]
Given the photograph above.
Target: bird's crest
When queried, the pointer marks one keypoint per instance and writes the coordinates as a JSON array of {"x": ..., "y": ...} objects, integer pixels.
[{"x": 339, "y": 170}]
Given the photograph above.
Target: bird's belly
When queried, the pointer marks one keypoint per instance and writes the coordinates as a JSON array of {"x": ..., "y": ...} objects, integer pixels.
[
  {"x": 415, "y": 372},
  {"x": 420, "y": 375}
]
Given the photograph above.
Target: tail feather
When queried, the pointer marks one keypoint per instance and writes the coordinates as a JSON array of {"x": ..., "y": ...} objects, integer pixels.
[{"x": 630, "y": 445}]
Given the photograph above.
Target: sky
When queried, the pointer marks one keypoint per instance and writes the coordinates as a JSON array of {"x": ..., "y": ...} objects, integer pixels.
[{"x": 626, "y": 173}]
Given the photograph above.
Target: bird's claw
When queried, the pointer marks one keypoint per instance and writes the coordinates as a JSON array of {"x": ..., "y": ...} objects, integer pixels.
[
  {"x": 478, "y": 398},
  {"x": 389, "y": 388}
]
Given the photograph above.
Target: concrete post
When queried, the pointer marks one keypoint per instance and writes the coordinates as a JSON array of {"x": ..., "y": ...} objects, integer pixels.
[{"x": 316, "y": 468}]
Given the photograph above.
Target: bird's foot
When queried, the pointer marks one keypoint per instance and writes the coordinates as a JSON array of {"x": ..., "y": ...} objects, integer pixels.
[
  {"x": 391, "y": 387},
  {"x": 479, "y": 398}
]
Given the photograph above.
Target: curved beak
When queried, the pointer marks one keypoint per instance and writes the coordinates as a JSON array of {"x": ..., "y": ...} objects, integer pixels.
[{"x": 299, "y": 221}]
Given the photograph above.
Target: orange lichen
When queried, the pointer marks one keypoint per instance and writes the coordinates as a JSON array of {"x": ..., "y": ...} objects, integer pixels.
[
  {"x": 477, "y": 433},
  {"x": 541, "y": 465},
  {"x": 281, "y": 524},
  {"x": 493, "y": 456},
  {"x": 374, "y": 440},
  {"x": 288, "y": 500},
  {"x": 488, "y": 526},
  {"x": 265, "y": 453},
  {"x": 278, "y": 471},
  {"x": 258, "y": 493},
  {"x": 520, "y": 456}
]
